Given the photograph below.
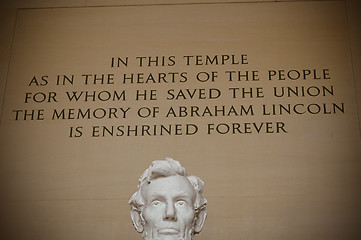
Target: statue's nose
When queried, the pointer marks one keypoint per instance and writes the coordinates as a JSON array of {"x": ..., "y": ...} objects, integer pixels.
[{"x": 170, "y": 212}]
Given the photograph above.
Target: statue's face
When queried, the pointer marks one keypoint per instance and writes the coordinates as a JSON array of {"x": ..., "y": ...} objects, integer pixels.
[{"x": 169, "y": 209}]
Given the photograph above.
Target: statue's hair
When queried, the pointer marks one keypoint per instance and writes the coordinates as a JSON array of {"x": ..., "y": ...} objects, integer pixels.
[{"x": 166, "y": 168}]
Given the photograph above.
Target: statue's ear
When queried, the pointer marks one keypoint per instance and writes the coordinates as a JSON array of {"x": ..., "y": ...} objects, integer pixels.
[
  {"x": 201, "y": 218},
  {"x": 137, "y": 221}
]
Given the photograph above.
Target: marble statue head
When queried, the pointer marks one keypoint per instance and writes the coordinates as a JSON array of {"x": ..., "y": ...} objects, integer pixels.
[{"x": 168, "y": 204}]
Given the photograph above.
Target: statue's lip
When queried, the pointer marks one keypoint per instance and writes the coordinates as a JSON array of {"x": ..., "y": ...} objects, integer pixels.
[{"x": 168, "y": 231}]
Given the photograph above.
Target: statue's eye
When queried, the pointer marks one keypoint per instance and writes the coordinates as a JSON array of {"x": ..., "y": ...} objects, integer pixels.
[
  {"x": 181, "y": 203},
  {"x": 156, "y": 203}
]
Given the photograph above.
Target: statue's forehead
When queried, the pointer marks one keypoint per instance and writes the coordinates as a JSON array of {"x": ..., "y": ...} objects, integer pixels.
[{"x": 176, "y": 185}]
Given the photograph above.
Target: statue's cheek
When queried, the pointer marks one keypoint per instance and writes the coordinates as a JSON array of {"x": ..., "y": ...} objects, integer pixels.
[{"x": 152, "y": 215}]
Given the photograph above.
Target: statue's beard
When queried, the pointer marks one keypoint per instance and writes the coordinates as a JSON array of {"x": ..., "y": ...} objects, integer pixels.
[{"x": 150, "y": 233}]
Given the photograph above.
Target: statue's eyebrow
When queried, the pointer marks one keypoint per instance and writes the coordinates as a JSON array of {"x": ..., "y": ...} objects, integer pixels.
[
  {"x": 182, "y": 196},
  {"x": 156, "y": 196}
]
